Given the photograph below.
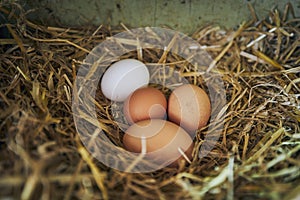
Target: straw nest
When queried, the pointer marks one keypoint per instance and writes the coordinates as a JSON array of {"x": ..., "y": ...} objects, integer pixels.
[{"x": 256, "y": 156}]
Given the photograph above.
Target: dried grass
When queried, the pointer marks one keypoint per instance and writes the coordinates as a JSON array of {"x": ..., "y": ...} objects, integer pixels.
[{"x": 256, "y": 157}]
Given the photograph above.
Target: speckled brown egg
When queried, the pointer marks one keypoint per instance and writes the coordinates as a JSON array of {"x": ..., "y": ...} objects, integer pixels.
[
  {"x": 145, "y": 103},
  {"x": 189, "y": 107},
  {"x": 163, "y": 142}
]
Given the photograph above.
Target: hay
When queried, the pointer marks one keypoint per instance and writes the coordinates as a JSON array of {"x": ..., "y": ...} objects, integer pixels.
[{"x": 256, "y": 157}]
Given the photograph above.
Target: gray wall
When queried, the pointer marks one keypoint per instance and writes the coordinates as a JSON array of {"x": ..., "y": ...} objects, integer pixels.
[{"x": 182, "y": 15}]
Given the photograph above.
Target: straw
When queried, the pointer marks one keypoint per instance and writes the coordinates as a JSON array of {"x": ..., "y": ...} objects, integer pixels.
[{"x": 256, "y": 157}]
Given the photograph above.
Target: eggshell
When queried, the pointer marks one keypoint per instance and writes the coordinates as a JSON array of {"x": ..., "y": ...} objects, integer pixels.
[
  {"x": 124, "y": 77},
  {"x": 145, "y": 103},
  {"x": 189, "y": 107},
  {"x": 162, "y": 141}
]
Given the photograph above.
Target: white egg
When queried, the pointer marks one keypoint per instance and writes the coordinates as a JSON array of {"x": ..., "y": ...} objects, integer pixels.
[{"x": 124, "y": 77}]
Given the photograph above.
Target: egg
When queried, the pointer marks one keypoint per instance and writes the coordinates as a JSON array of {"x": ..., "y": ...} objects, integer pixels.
[
  {"x": 124, "y": 77},
  {"x": 145, "y": 103},
  {"x": 161, "y": 141},
  {"x": 189, "y": 106}
]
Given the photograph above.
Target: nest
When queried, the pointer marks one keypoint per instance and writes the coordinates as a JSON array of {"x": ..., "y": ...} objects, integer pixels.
[{"x": 256, "y": 156}]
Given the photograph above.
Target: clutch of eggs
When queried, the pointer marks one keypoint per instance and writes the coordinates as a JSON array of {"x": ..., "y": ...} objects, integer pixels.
[{"x": 147, "y": 110}]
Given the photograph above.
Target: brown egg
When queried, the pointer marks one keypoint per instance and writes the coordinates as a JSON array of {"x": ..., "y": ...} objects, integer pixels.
[
  {"x": 163, "y": 142},
  {"x": 189, "y": 107},
  {"x": 145, "y": 103}
]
